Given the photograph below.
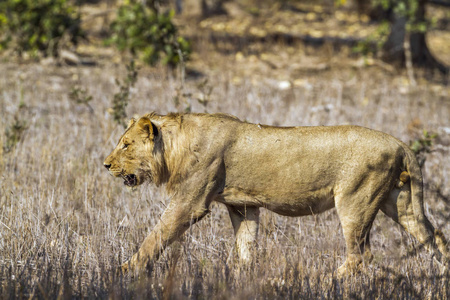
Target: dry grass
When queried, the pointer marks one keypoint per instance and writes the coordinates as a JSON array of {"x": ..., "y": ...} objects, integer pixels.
[{"x": 66, "y": 224}]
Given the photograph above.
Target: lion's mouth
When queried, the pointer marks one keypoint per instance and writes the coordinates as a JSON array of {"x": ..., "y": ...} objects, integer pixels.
[{"x": 130, "y": 180}]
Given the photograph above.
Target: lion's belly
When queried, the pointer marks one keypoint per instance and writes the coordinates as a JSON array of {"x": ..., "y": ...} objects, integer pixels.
[{"x": 283, "y": 203}]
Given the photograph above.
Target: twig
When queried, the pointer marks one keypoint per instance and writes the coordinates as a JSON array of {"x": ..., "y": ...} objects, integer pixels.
[
  {"x": 408, "y": 59},
  {"x": 8, "y": 228}
]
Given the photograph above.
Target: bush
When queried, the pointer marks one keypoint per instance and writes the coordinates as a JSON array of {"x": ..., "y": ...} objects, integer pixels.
[
  {"x": 37, "y": 26},
  {"x": 422, "y": 145},
  {"x": 122, "y": 98},
  {"x": 374, "y": 42},
  {"x": 149, "y": 34},
  {"x": 14, "y": 132}
]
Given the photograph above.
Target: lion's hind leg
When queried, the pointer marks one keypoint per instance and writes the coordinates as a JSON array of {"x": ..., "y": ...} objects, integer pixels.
[
  {"x": 357, "y": 210},
  {"x": 399, "y": 207}
]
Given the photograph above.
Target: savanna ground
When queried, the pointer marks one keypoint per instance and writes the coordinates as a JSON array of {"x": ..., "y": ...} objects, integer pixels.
[{"x": 66, "y": 224}]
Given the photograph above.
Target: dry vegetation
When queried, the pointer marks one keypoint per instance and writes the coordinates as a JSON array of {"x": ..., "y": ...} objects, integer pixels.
[{"x": 66, "y": 224}]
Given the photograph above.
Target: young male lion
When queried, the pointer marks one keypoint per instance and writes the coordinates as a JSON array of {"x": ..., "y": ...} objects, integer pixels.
[{"x": 293, "y": 171}]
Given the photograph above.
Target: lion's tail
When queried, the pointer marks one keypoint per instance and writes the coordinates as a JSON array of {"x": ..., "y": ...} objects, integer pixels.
[
  {"x": 416, "y": 183},
  {"x": 430, "y": 236}
]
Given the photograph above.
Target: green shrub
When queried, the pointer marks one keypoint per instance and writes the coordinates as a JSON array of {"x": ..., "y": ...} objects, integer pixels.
[
  {"x": 122, "y": 98},
  {"x": 14, "y": 132},
  {"x": 149, "y": 34},
  {"x": 81, "y": 96},
  {"x": 422, "y": 145},
  {"x": 374, "y": 42},
  {"x": 37, "y": 26},
  {"x": 401, "y": 8}
]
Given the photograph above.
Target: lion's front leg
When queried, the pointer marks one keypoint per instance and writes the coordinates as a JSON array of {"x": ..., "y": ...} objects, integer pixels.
[
  {"x": 173, "y": 223},
  {"x": 151, "y": 248},
  {"x": 245, "y": 222}
]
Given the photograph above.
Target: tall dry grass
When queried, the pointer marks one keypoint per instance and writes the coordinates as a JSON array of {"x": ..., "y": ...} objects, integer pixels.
[{"x": 66, "y": 224}]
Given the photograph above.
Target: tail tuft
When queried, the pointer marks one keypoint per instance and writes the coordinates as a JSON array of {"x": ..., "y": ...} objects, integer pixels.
[{"x": 404, "y": 178}]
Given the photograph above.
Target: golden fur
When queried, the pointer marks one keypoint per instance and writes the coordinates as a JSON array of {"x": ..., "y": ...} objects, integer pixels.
[{"x": 292, "y": 171}]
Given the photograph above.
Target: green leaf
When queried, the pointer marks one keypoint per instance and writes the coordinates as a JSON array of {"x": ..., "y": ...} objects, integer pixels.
[{"x": 150, "y": 33}]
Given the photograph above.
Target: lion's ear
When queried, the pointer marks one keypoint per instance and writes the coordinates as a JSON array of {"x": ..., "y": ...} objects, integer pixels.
[
  {"x": 148, "y": 127},
  {"x": 131, "y": 122}
]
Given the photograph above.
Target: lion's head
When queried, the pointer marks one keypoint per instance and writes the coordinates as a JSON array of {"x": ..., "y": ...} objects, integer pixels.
[{"x": 138, "y": 155}]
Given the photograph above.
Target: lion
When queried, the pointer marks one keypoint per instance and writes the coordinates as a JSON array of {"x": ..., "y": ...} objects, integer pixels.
[{"x": 292, "y": 171}]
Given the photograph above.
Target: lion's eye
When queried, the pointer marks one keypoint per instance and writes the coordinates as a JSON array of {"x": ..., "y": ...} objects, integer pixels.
[{"x": 125, "y": 146}]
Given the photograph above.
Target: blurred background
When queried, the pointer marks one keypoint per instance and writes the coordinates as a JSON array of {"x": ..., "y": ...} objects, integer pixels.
[{"x": 73, "y": 72}]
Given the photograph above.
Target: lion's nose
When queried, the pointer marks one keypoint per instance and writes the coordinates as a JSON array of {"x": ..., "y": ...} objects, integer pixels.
[{"x": 107, "y": 166}]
